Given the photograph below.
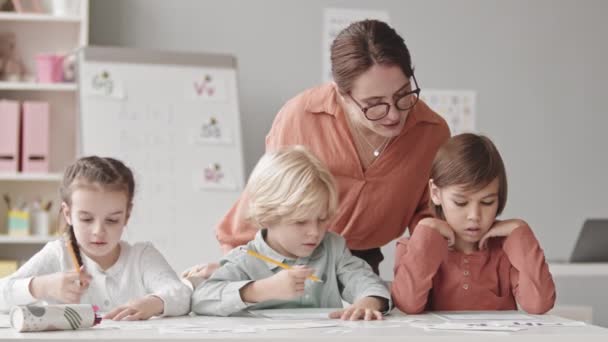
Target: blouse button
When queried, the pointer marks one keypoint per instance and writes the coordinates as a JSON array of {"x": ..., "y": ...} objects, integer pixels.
[
  {"x": 466, "y": 273},
  {"x": 465, "y": 286},
  {"x": 466, "y": 261}
]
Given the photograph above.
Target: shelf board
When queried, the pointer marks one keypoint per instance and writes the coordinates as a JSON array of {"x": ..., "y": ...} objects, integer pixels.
[
  {"x": 32, "y": 86},
  {"x": 31, "y": 177},
  {"x": 38, "y": 17},
  {"x": 5, "y": 239}
]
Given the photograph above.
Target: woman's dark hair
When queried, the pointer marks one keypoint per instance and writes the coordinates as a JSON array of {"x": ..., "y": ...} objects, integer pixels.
[{"x": 364, "y": 44}]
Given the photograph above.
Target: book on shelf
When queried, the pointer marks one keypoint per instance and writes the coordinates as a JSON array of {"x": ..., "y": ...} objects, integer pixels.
[{"x": 8, "y": 267}]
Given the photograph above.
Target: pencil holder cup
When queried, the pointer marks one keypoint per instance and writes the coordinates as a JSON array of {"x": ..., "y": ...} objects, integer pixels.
[
  {"x": 49, "y": 68},
  {"x": 18, "y": 223},
  {"x": 64, "y": 7},
  {"x": 39, "y": 223}
]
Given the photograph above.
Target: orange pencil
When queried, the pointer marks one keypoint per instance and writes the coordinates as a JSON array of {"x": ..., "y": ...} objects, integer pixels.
[{"x": 280, "y": 264}]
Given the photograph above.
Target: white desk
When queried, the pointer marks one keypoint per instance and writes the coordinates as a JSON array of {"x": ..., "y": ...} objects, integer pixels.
[
  {"x": 583, "y": 284},
  {"x": 590, "y": 269},
  {"x": 384, "y": 331}
]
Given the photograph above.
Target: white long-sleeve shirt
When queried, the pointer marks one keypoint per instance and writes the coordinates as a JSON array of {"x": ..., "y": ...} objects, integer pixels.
[{"x": 139, "y": 271}]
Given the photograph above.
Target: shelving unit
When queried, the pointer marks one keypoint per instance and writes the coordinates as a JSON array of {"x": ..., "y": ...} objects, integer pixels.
[
  {"x": 31, "y": 177},
  {"x": 32, "y": 86},
  {"x": 25, "y": 240},
  {"x": 38, "y": 33},
  {"x": 40, "y": 17}
]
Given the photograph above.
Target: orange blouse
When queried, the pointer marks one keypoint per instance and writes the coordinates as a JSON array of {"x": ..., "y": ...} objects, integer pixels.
[
  {"x": 376, "y": 205},
  {"x": 428, "y": 276}
]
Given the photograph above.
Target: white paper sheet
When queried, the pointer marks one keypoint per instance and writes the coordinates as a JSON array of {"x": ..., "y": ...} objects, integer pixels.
[
  {"x": 128, "y": 325},
  {"x": 506, "y": 321},
  {"x": 468, "y": 327},
  {"x": 541, "y": 323},
  {"x": 483, "y": 316},
  {"x": 180, "y": 329},
  {"x": 294, "y": 314},
  {"x": 4, "y": 321}
]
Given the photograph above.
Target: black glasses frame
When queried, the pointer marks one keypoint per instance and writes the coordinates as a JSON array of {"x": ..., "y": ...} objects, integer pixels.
[{"x": 388, "y": 105}]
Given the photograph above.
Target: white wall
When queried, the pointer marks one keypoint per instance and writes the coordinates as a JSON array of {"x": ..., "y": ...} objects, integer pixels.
[{"x": 539, "y": 68}]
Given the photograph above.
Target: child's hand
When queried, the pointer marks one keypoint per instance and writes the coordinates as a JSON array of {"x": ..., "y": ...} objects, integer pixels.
[
  {"x": 199, "y": 273},
  {"x": 367, "y": 308},
  {"x": 201, "y": 270},
  {"x": 288, "y": 284},
  {"x": 63, "y": 287},
  {"x": 500, "y": 228},
  {"x": 138, "y": 309},
  {"x": 440, "y": 226},
  {"x": 285, "y": 285}
]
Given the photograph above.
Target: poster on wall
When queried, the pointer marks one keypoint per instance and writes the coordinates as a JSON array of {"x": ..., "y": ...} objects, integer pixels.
[
  {"x": 206, "y": 87},
  {"x": 334, "y": 21},
  {"x": 105, "y": 84},
  {"x": 210, "y": 131},
  {"x": 215, "y": 176},
  {"x": 457, "y": 107}
]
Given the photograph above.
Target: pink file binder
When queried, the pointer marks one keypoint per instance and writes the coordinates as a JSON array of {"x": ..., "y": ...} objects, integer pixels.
[
  {"x": 35, "y": 156},
  {"x": 9, "y": 136}
]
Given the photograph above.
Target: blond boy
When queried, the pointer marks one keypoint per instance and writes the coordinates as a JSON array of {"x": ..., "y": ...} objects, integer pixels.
[{"x": 292, "y": 196}]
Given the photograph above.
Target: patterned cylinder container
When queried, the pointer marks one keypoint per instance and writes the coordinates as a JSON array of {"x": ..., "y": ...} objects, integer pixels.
[{"x": 28, "y": 318}]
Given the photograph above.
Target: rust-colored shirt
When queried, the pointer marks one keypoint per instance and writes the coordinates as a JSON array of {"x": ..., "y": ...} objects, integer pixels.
[
  {"x": 511, "y": 270},
  {"x": 376, "y": 205}
]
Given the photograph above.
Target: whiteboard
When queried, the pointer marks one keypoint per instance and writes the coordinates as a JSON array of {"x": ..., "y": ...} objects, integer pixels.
[{"x": 173, "y": 118}]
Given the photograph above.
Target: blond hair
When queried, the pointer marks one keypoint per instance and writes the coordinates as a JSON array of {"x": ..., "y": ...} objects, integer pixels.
[{"x": 290, "y": 184}]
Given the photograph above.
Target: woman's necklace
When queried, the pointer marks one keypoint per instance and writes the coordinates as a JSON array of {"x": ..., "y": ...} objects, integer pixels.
[
  {"x": 381, "y": 148},
  {"x": 376, "y": 150}
]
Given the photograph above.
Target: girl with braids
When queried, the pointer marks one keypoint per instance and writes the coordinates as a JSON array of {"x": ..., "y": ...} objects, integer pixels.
[{"x": 129, "y": 282}]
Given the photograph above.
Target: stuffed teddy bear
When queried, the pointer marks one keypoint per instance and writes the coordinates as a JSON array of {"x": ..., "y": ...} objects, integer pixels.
[{"x": 11, "y": 67}]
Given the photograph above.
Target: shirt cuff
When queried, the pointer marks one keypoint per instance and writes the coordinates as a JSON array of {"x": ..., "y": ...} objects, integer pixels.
[
  {"x": 176, "y": 301},
  {"x": 231, "y": 296},
  {"x": 380, "y": 294},
  {"x": 22, "y": 294},
  {"x": 162, "y": 298}
]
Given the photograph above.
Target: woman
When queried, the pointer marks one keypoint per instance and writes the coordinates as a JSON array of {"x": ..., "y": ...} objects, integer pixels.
[{"x": 373, "y": 133}]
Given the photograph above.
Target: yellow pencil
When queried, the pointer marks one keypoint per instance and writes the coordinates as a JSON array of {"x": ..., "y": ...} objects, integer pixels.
[
  {"x": 73, "y": 255},
  {"x": 280, "y": 264}
]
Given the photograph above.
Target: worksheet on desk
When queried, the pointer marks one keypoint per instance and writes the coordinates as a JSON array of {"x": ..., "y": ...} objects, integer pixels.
[
  {"x": 483, "y": 316},
  {"x": 295, "y": 314},
  {"x": 4, "y": 321}
]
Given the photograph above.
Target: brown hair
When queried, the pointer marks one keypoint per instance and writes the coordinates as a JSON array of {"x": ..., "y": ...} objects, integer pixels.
[
  {"x": 364, "y": 44},
  {"x": 471, "y": 160},
  {"x": 108, "y": 173}
]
